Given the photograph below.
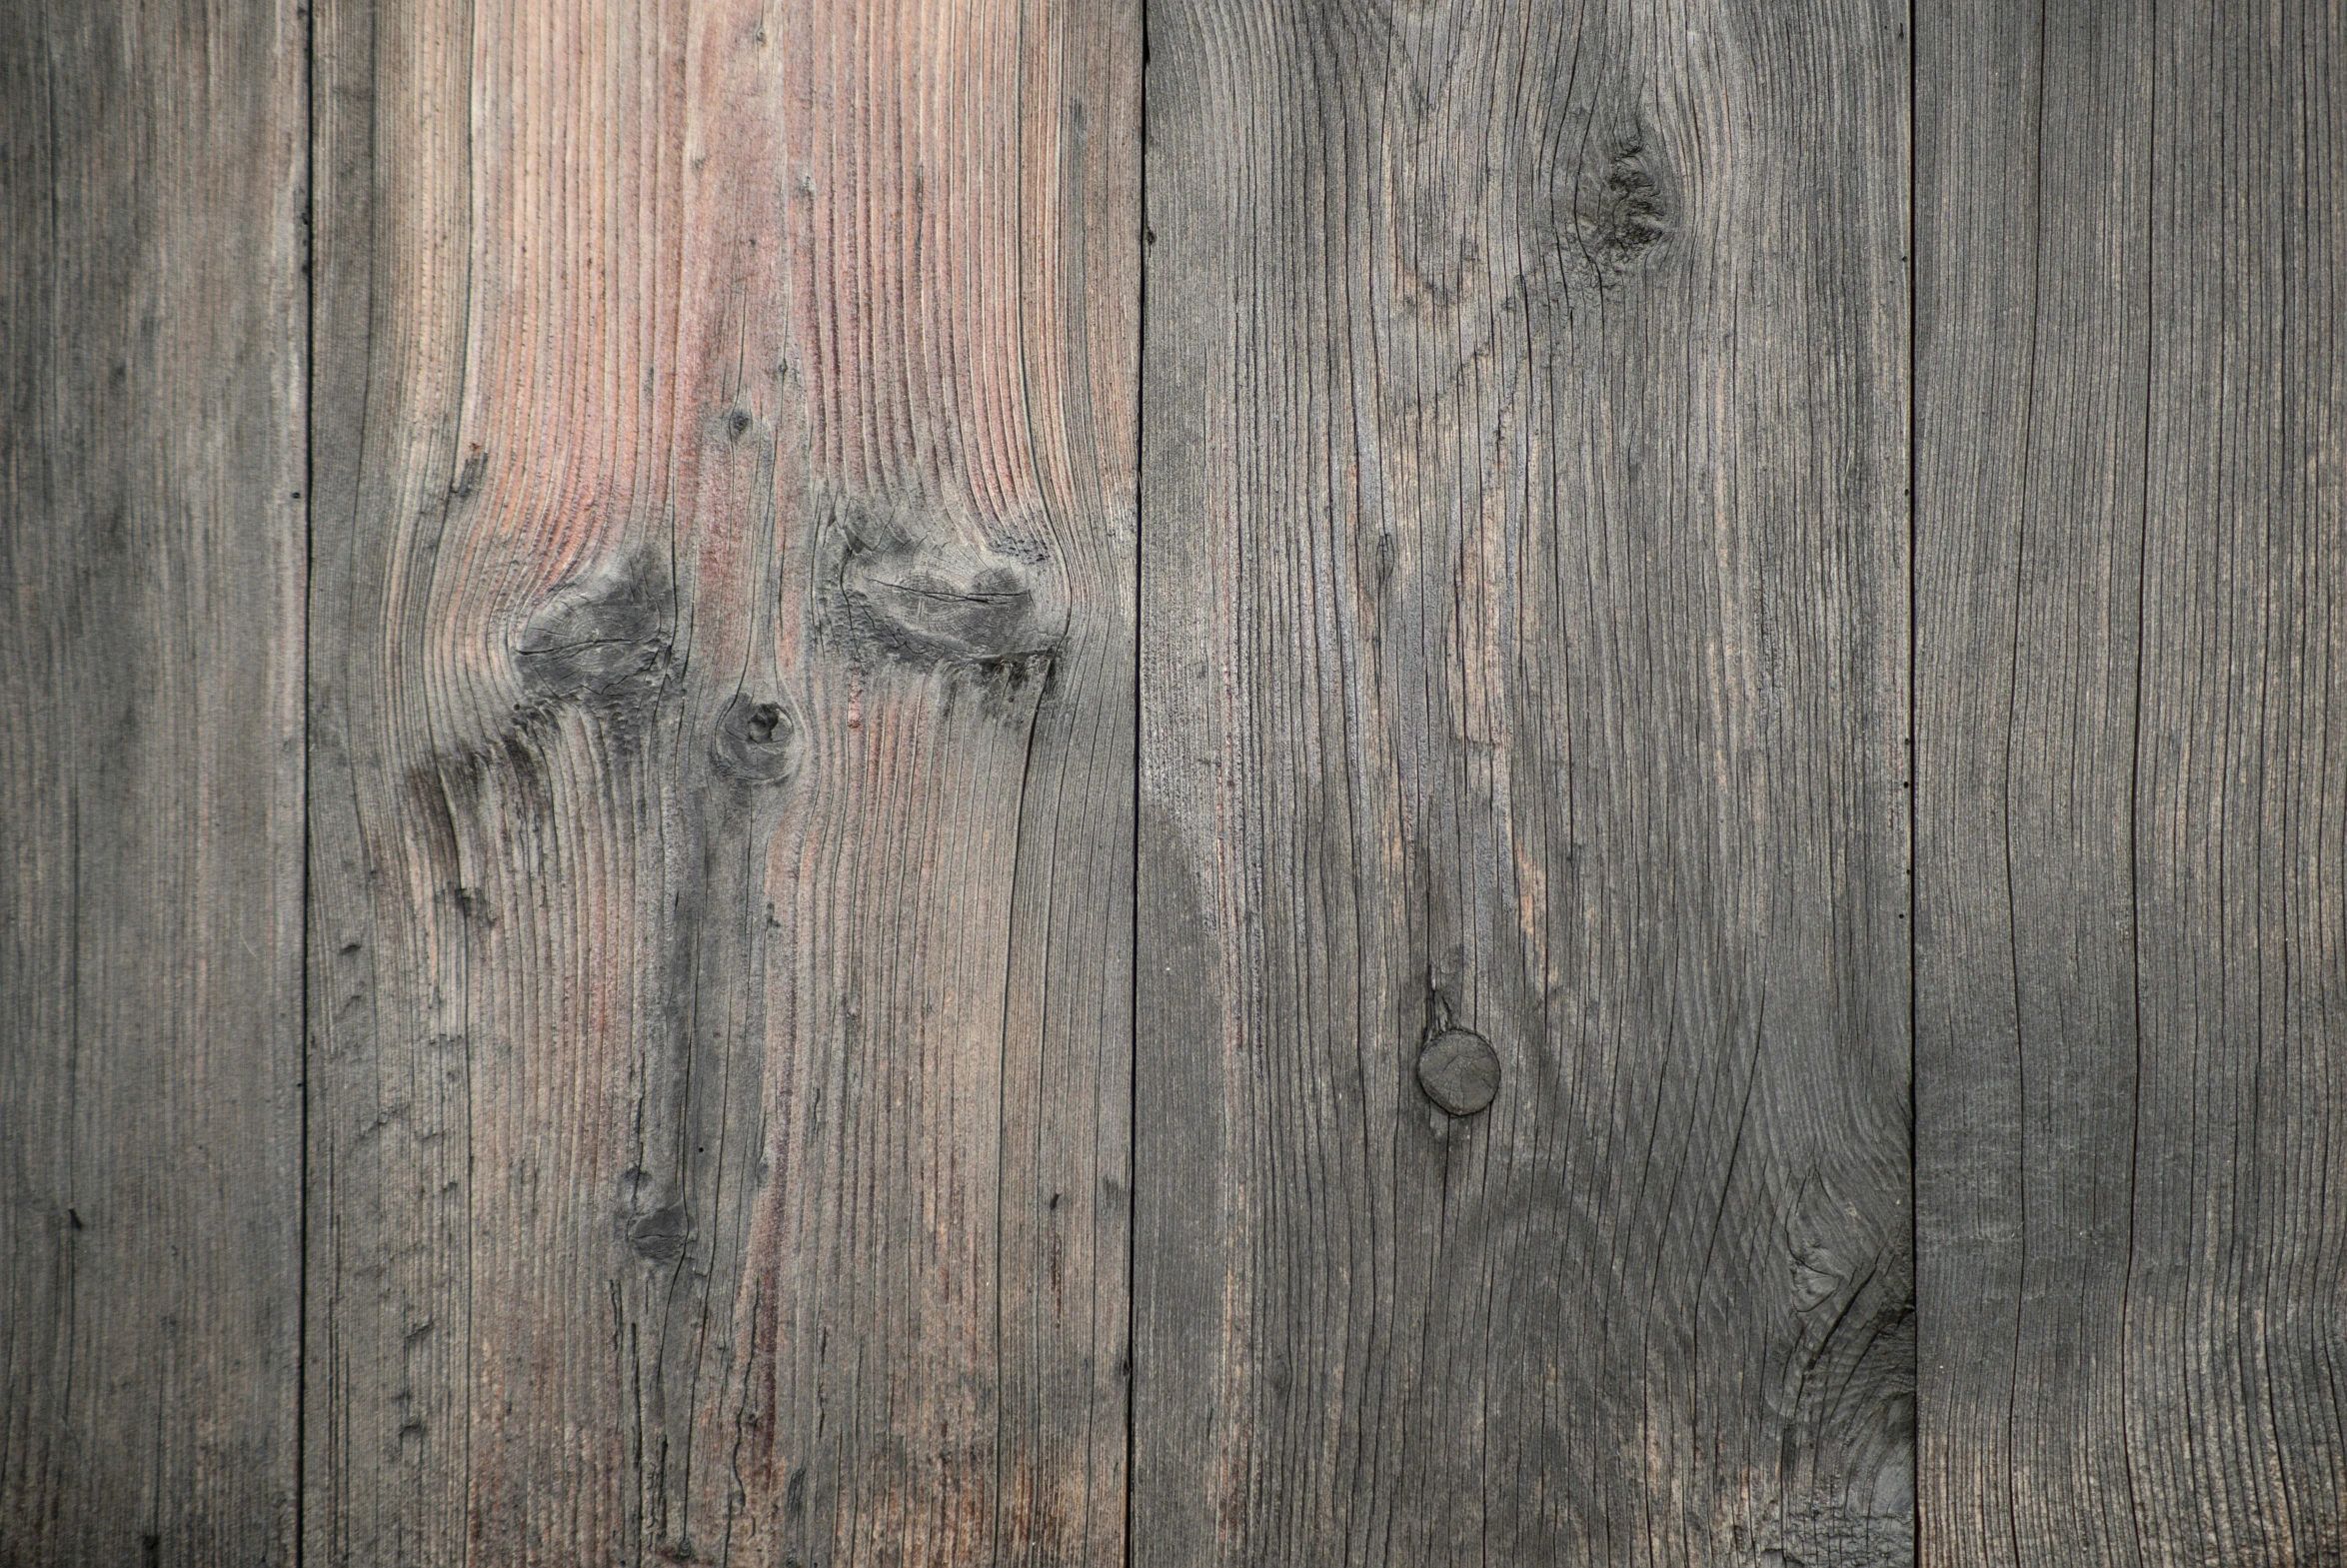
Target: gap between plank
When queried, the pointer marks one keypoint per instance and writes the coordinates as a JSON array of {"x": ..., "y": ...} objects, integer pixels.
[
  {"x": 309, "y": 20},
  {"x": 1140, "y": 327},
  {"x": 1914, "y": 813}
]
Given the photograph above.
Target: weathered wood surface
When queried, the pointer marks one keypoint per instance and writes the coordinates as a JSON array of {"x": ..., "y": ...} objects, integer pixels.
[
  {"x": 2132, "y": 782},
  {"x": 1524, "y": 648},
  {"x": 723, "y": 737},
  {"x": 734, "y": 651},
  {"x": 152, "y": 313}
]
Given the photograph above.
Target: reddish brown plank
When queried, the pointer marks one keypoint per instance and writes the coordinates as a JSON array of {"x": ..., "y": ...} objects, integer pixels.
[{"x": 725, "y": 740}]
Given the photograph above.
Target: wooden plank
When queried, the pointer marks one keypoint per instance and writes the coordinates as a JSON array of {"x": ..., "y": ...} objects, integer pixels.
[
  {"x": 2133, "y": 788},
  {"x": 1525, "y": 565},
  {"x": 152, "y": 328},
  {"x": 725, "y": 738}
]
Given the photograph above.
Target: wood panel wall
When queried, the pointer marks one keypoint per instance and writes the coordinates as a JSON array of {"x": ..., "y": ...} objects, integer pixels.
[{"x": 1356, "y": 781}]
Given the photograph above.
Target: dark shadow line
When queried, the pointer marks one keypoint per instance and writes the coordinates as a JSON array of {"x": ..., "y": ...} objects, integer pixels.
[
  {"x": 1915, "y": 769},
  {"x": 309, "y": 19},
  {"x": 1140, "y": 240}
]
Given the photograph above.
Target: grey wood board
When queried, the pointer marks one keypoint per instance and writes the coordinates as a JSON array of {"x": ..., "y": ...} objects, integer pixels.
[
  {"x": 732, "y": 1129},
  {"x": 2131, "y": 783},
  {"x": 152, "y": 326},
  {"x": 1525, "y": 652}
]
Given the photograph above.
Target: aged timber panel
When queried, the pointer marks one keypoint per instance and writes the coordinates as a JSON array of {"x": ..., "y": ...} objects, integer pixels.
[
  {"x": 724, "y": 723},
  {"x": 152, "y": 323},
  {"x": 1525, "y": 566},
  {"x": 2131, "y": 783}
]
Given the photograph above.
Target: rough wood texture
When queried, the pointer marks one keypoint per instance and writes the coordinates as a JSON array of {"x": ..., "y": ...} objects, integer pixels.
[
  {"x": 723, "y": 740},
  {"x": 152, "y": 321},
  {"x": 712, "y": 1137},
  {"x": 1525, "y": 560},
  {"x": 2132, "y": 782}
]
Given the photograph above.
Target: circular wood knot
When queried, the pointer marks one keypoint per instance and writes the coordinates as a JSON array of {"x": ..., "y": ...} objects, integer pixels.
[
  {"x": 1459, "y": 1071},
  {"x": 756, "y": 741}
]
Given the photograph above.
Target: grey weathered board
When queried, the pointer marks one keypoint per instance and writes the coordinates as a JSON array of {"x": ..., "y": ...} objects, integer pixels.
[
  {"x": 736, "y": 650},
  {"x": 152, "y": 317},
  {"x": 2132, "y": 726},
  {"x": 1525, "y": 645}
]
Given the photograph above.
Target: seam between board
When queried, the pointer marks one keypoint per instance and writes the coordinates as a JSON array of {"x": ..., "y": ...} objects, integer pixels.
[
  {"x": 1914, "y": 789},
  {"x": 309, "y": 220},
  {"x": 1141, "y": 320}
]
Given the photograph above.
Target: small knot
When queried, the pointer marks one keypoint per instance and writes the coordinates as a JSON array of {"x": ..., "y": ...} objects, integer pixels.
[
  {"x": 602, "y": 637},
  {"x": 942, "y": 606},
  {"x": 659, "y": 1237},
  {"x": 1459, "y": 1071},
  {"x": 756, "y": 741}
]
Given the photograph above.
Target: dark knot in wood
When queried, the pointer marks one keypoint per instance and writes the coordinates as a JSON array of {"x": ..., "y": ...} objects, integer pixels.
[
  {"x": 1459, "y": 1071},
  {"x": 931, "y": 605},
  {"x": 661, "y": 1237},
  {"x": 604, "y": 639},
  {"x": 756, "y": 741}
]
